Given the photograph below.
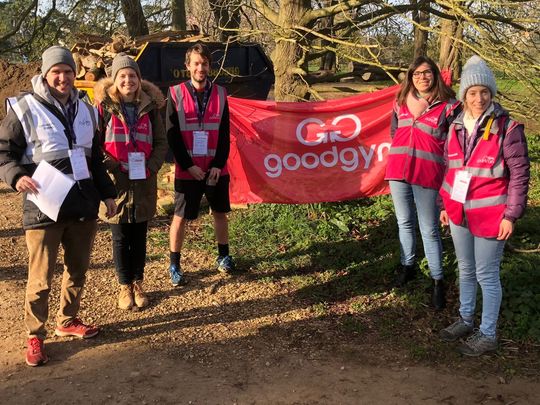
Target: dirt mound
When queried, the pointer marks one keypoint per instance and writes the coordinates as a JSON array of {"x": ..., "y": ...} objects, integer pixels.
[{"x": 15, "y": 78}]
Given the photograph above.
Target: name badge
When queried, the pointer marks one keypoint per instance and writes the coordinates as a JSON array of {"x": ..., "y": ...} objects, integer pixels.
[
  {"x": 136, "y": 164},
  {"x": 461, "y": 186},
  {"x": 200, "y": 143},
  {"x": 78, "y": 164}
]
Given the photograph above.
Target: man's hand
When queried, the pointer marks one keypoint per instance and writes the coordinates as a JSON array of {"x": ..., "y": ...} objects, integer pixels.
[
  {"x": 196, "y": 172},
  {"x": 214, "y": 174},
  {"x": 444, "y": 218},
  {"x": 26, "y": 184},
  {"x": 506, "y": 228},
  {"x": 111, "y": 207}
]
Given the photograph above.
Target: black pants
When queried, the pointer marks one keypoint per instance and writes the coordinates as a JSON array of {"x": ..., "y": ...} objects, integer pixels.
[{"x": 129, "y": 251}]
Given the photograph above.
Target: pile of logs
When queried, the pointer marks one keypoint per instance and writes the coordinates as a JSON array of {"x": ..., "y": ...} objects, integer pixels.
[{"x": 93, "y": 54}]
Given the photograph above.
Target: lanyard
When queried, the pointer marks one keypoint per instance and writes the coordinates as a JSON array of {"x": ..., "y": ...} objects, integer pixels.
[
  {"x": 131, "y": 122},
  {"x": 70, "y": 111},
  {"x": 200, "y": 108}
]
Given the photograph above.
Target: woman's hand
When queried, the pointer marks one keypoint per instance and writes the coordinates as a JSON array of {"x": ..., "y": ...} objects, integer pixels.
[
  {"x": 506, "y": 228},
  {"x": 444, "y": 218},
  {"x": 111, "y": 207}
]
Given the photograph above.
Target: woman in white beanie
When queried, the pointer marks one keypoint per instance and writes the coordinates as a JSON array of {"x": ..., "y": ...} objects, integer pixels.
[
  {"x": 135, "y": 147},
  {"x": 484, "y": 192},
  {"x": 425, "y": 107}
]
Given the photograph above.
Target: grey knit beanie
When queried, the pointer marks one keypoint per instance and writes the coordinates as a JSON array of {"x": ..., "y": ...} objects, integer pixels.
[
  {"x": 476, "y": 73},
  {"x": 55, "y": 55},
  {"x": 122, "y": 61}
]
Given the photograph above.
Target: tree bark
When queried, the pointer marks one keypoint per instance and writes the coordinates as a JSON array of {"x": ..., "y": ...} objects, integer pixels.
[
  {"x": 178, "y": 8},
  {"x": 450, "y": 47},
  {"x": 328, "y": 60},
  {"x": 135, "y": 19},
  {"x": 290, "y": 63},
  {"x": 420, "y": 36}
]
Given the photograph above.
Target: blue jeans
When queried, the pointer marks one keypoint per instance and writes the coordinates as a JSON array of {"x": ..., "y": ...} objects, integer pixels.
[
  {"x": 409, "y": 200},
  {"x": 479, "y": 262}
]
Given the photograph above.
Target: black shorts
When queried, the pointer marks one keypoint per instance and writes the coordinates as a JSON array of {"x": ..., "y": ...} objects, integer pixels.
[{"x": 188, "y": 195}]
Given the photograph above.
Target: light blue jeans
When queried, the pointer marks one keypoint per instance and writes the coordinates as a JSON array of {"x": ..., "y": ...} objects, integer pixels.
[
  {"x": 479, "y": 262},
  {"x": 409, "y": 200}
]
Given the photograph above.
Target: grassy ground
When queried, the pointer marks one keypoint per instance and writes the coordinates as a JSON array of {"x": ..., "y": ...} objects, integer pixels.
[{"x": 339, "y": 258}]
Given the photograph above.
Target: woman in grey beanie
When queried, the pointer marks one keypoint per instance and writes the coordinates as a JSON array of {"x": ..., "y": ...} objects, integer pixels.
[
  {"x": 135, "y": 147},
  {"x": 484, "y": 192}
]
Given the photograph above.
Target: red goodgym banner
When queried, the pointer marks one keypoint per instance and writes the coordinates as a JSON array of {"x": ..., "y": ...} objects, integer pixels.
[{"x": 310, "y": 152}]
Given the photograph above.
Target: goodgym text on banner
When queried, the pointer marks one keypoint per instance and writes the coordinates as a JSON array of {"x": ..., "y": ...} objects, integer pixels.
[{"x": 310, "y": 152}]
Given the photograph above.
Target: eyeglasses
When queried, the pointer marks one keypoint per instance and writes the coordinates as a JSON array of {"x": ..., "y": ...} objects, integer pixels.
[{"x": 425, "y": 73}]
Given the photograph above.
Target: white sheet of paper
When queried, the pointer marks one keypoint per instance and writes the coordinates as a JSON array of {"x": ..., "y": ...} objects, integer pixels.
[
  {"x": 137, "y": 169},
  {"x": 53, "y": 187},
  {"x": 200, "y": 143},
  {"x": 78, "y": 164},
  {"x": 461, "y": 186}
]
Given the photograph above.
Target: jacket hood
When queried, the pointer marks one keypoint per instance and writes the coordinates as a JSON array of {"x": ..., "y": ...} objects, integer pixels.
[{"x": 151, "y": 95}]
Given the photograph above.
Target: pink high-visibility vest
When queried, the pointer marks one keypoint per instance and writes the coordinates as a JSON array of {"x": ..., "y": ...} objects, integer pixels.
[
  {"x": 416, "y": 154},
  {"x": 189, "y": 122},
  {"x": 485, "y": 203},
  {"x": 118, "y": 142}
]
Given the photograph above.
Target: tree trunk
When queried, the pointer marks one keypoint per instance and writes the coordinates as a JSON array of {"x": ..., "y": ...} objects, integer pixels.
[
  {"x": 451, "y": 48},
  {"x": 289, "y": 59},
  {"x": 178, "y": 8},
  {"x": 420, "y": 35},
  {"x": 227, "y": 16},
  {"x": 328, "y": 61},
  {"x": 135, "y": 19}
]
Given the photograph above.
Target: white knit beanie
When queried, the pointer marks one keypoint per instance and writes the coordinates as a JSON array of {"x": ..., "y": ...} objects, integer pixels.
[{"x": 476, "y": 73}]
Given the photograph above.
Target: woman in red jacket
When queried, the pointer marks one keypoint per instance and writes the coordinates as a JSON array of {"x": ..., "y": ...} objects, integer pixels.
[
  {"x": 424, "y": 109},
  {"x": 484, "y": 192}
]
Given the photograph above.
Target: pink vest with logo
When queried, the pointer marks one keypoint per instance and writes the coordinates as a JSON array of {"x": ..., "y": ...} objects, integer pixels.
[
  {"x": 486, "y": 196},
  {"x": 189, "y": 122},
  {"x": 118, "y": 143},
  {"x": 416, "y": 154}
]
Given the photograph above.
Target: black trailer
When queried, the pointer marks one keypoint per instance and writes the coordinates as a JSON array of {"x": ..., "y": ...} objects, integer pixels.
[{"x": 242, "y": 68}]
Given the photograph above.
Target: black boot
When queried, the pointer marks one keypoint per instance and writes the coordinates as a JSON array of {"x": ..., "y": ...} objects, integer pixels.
[
  {"x": 405, "y": 274},
  {"x": 437, "y": 296}
]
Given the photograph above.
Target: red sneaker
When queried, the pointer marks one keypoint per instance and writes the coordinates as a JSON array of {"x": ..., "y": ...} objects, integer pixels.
[
  {"x": 78, "y": 329},
  {"x": 35, "y": 354}
]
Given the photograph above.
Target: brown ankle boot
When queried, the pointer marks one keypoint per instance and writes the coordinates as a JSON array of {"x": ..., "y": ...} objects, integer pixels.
[
  {"x": 125, "y": 297},
  {"x": 141, "y": 300}
]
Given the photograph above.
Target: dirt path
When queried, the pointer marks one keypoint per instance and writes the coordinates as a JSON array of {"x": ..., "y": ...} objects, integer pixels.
[{"x": 217, "y": 341}]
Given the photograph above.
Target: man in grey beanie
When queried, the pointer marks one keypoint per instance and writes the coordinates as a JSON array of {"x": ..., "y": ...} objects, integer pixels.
[
  {"x": 54, "y": 125},
  {"x": 56, "y": 55}
]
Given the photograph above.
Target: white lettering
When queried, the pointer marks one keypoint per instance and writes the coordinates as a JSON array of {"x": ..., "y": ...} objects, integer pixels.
[
  {"x": 349, "y": 164},
  {"x": 348, "y": 159},
  {"x": 289, "y": 156},
  {"x": 332, "y": 153},
  {"x": 305, "y": 160},
  {"x": 275, "y": 169},
  {"x": 367, "y": 157},
  {"x": 321, "y": 136}
]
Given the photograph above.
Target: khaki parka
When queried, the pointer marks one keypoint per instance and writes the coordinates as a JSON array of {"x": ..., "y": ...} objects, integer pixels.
[{"x": 136, "y": 199}]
